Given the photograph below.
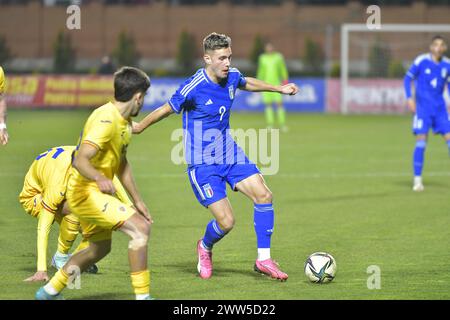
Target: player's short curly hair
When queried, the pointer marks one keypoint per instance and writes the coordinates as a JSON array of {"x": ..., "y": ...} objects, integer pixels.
[
  {"x": 214, "y": 41},
  {"x": 128, "y": 81}
]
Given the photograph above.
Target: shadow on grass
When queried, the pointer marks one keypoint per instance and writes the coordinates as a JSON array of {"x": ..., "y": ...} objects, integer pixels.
[
  {"x": 222, "y": 272},
  {"x": 106, "y": 296}
]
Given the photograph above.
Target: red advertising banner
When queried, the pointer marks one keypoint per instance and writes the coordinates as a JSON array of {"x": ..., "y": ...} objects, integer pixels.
[{"x": 58, "y": 91}]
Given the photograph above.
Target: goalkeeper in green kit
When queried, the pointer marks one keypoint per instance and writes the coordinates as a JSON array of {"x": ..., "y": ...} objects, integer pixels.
[{"x": 272, "y": 69}]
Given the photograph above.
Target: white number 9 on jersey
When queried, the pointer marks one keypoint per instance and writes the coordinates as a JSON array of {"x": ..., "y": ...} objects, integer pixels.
[{"x": 222, "y": 111}]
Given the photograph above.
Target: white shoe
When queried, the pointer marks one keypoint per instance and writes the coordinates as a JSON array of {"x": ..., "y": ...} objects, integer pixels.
[
  {"x": 59, "y": 260},
  {"x": 418, "y": 185}
]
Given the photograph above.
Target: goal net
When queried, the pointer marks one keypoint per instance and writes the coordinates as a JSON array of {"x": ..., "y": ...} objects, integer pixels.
[{"x": 374, "y": 62}]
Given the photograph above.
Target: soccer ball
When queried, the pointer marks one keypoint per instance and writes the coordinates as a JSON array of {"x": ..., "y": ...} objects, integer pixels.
[{"x": 320, "y": 267}]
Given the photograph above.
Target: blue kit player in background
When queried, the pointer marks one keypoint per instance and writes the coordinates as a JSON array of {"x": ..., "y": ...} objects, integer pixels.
[
  {"x": 430, "y": 72},
  {"x": 205, "y": 101}
]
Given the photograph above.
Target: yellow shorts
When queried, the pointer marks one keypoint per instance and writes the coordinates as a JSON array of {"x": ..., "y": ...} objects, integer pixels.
[
  {"x": 31, "y": 203},
  {"x": 99, "y": 213},
  {"x": 31, "y": 195},
  {"x": 38, "y": 193}
]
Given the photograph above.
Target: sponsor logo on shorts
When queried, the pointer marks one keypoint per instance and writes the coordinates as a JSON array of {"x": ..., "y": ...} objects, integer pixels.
[
  {"x": 122, "y": 209},
  {"x": 208, "y": 190}
]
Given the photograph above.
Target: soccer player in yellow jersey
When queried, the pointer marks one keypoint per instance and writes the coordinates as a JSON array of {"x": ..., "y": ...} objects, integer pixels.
[
  {"x": 101, "y": 155},
  {"x": 3, "y": 132},
  {"x": 43, "y": 197}
]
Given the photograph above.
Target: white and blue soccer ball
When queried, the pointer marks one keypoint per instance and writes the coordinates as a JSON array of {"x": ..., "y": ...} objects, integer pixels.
[{"x": 320, "y": 267}]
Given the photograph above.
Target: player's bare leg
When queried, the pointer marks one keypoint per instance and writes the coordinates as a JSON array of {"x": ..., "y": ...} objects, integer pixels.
[
  {"x": 92, "y": 254},
  {"x": 138, "y": 229},
  {"x": 223, "y": 213},
  {"x": 418, "y": 158},
  {"x": 256, "y": 189},
  {"x": 215, "y": 230},
  {"x": 77, "y": 263}
]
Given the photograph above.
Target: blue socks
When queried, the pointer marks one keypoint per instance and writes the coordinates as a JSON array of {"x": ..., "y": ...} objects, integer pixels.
[
  {"x": 264, "y": 221},
  {"x": 418, "y": 157},
  {"x": 212, "y": 235}
]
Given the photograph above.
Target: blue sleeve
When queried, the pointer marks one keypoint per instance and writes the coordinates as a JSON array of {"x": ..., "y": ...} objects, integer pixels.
[
  {"x": 240, "y": 81},
  {"x": 411, "y": 74},
  {"x": 407, "y": 85},
  {"x": 180, "y": 100}
]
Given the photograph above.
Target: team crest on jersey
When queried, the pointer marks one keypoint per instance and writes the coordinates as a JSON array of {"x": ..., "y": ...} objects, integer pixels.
[
  {"x": 231, "y": 92},
  {"x": 427, "y": 71},
  {"x": 444, "y": 73},
  {"x": 208, "y": 190}
]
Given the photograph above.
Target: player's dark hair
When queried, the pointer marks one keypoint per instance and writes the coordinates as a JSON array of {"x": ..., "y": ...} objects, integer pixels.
[
  {"x": 437, "y": 37},
  {"x": 214, "y": 41},
  {"x": 128, "y": 81}
]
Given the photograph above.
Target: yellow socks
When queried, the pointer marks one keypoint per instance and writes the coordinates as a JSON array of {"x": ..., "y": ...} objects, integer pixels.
[
  {"x": 140, "y": 281},
  {"x": 68, "y": 231},
  {"x": 57, "y": 283}
]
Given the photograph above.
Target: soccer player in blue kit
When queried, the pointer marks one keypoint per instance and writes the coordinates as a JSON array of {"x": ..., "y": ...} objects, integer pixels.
[
  {"x": 214, "y": 158},
  {"x": 431, "y": 72}
]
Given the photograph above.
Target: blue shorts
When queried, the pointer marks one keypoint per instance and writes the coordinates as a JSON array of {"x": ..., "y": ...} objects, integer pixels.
[
  {"x": 209, "y": 181},
  {"x": 438, "y": 121}
]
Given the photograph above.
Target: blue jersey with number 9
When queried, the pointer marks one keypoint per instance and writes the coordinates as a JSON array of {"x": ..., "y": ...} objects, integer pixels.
[{"x": 206, "y": 107}]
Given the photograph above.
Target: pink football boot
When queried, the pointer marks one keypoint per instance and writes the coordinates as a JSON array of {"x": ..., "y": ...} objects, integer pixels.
[
  {"x": 271, "y": 269},
  {"x": 204, "y": 265}
]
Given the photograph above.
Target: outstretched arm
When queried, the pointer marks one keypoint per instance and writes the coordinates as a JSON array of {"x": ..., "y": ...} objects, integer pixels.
[
  {"x": 152, "y": 118},
  {"x": 255, "y": 85}
]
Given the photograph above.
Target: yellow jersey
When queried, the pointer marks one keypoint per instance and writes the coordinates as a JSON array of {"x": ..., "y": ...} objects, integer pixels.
[
  {"x": 2, "y": 81},
  {"x": 110, "y": 133},
  {"x": 48, "y": 176}
]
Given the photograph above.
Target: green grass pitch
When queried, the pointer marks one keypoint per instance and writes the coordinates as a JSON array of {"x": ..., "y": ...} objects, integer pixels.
[{"x": 344, "y": 186}]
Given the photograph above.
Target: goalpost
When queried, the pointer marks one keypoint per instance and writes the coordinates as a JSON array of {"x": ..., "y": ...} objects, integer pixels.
[{"x": 366, "y": 53}]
